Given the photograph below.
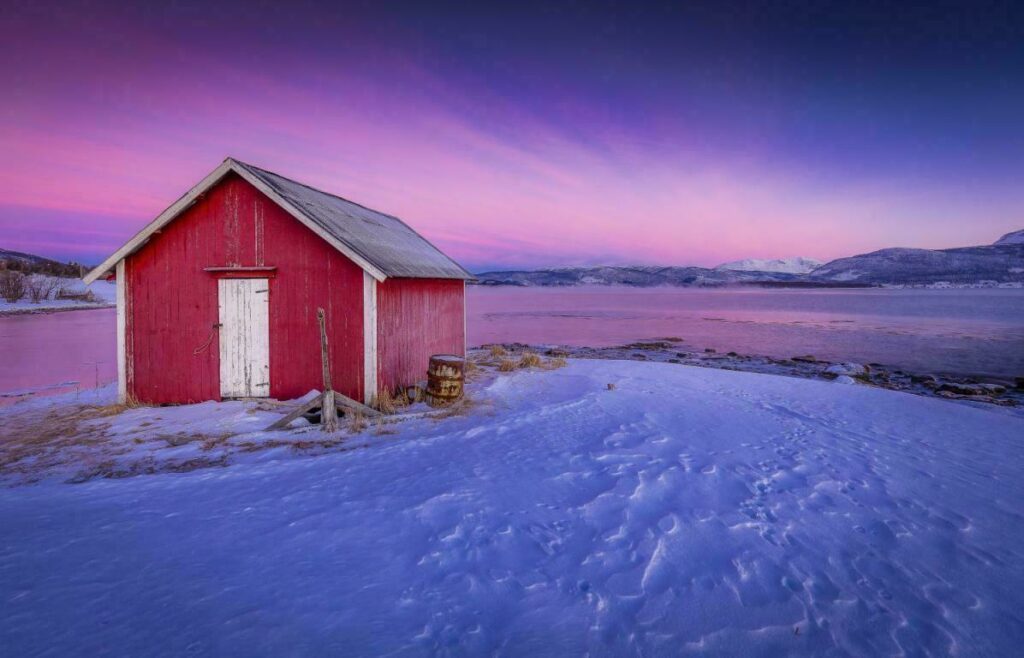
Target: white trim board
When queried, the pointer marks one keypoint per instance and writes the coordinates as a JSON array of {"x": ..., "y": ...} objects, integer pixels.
[
  {"x": 122, "y": 354},
  {"x": 369, "y": 338},
  {"x": 179, "y": 206}
]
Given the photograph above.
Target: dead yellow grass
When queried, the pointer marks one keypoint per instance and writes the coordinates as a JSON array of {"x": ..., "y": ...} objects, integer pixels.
[
  {"x": 415, "y": 394},
  {"x": 529, "y": 360},
  {"x": 507, "y": 365},
  {"x": 497, "y": 351},
  {"x": 382, "y": 427},
  {"x": 460, "y": 407},
  {"x": 389, "y": 402},
  {"x": 34, "y": 442},
  {"x": 556, "y": 363},
  {"x": 356, "y": 422}
]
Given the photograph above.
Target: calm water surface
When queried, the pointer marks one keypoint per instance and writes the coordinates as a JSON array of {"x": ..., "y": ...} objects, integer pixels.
[
  {"x": 57, "y": 352},
  {"x": 959, "y": 331}
]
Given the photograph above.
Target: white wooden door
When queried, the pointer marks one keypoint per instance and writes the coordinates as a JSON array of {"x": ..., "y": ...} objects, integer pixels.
[{"x": 244, "y": 337}]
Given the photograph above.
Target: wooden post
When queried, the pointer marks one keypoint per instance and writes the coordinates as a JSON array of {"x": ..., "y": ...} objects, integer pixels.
[
  {"x": 328, "y": 408},
  {"x": 325, "y": 362},
  {"x": 330, "y": 401}
]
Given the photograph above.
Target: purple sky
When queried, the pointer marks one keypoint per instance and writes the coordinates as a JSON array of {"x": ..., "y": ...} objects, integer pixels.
[{"x": 537, "y": 135}]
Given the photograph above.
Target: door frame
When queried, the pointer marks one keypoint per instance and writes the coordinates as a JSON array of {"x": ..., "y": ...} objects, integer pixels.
[{"x": 253, "y": 389}]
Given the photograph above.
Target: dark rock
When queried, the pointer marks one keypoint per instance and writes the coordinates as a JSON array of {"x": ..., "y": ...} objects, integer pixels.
[
  {"x": 961, "y": 388},
  {"x": 807, "y": 358},
  {"x": 708, "y": 350},
  {"x": 655, "y": 345}
]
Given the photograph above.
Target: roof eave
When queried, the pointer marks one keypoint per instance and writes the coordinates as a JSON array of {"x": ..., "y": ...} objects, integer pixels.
[{"x": 179, "y": 206}]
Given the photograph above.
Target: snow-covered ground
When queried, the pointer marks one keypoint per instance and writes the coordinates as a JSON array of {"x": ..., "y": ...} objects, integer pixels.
[
  {"x": 105, "y": 292},
  {"x": 679, "y": 511}
]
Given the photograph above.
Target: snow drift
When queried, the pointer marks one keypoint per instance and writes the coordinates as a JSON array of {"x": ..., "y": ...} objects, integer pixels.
[{"x": 685, "y": 511}]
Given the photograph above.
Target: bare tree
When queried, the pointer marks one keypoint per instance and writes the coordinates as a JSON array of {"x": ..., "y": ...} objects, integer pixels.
[
  {"x": 41, "y": 288},
  {"x": 12, "y": 285}
]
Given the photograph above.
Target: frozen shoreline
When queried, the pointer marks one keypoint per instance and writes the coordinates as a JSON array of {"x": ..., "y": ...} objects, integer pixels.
[
  {"x": 105, "y": 292},
  {"x": 1000, "y": 391}
]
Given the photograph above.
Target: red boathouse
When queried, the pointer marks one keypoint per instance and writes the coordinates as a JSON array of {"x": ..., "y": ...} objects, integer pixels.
[{"x": 218, "y": 296}]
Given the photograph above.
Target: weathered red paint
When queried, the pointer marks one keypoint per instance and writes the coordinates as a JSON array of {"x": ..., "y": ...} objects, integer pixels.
[
  {"x": 172, "y": 345},
  {"x": 417, "y": 318},
  {"x": 172, "y": 302}
]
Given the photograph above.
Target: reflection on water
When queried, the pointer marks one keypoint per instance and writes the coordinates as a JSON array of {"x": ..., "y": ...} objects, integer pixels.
[
  {"x": 962, "y": 331},
  {"x": 56, "y": 352},
  {"x": 959, "y": 331}
]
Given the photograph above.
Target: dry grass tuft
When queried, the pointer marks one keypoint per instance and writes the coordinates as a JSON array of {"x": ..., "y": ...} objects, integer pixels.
[
  {"x": 384, "y": 402},
  {"x": 556, "y": 363},
  {"x": 415, "y": 394},
  {"x": 497, "y": 351},
  {"x": 389, "y": 402},
  {"x": 611, "y": 387},
  {"x": 507, "y": 365},
  {"x": 382, "y": 426},
  {"x": 460, "y": 407},
  {"x": 356, "y": 422},
  {"x": 529, "y": 360}
]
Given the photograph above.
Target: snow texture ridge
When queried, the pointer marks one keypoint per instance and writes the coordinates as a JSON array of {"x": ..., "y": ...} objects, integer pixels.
[{"x": 685, "y": 511}]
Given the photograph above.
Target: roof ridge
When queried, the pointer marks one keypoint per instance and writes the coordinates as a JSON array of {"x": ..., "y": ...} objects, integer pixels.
[
  {"x": 354, "y": 203},
  {"x": 315, "y": 189}
]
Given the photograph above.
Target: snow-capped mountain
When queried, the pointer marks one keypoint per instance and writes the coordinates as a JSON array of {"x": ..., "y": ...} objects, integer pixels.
[
  {"x": 1001, "y": 262},
  {"x": 794, "y": 265},
  {"x": 641, "y": 276},
  {"x": 1016, "y": 237}
]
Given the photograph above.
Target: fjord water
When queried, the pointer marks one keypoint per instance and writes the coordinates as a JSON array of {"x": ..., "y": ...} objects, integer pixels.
[
  {"x": 955, "y": 331},
  {"x": 57, "y": 352},
  {"x": 962, "y": 331}
]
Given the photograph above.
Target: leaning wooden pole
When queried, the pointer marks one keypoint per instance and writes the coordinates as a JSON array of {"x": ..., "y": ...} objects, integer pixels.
[{"x": 328, "y": 408}]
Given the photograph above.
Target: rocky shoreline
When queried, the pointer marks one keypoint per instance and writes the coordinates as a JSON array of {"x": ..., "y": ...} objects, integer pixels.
[{"x": 973, "y": 389}]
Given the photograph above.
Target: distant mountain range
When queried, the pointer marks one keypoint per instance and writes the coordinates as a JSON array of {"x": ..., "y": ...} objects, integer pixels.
[
  {"x": 30, "y": 263},
  {"x": 1017, "y": 237},
  {"x": 7, "y": 256},
  {"x": 795, "y": 265},
  {"x": 995, "y": 264}
]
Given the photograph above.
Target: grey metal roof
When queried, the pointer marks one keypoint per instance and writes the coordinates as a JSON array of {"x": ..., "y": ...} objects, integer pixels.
[{"x": 384, "y": 241}]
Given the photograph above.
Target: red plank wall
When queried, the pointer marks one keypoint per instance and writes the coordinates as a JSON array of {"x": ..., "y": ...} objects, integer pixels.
[
  {"x": 417, "y": 318},
  {"x": 173, "y": 349}
]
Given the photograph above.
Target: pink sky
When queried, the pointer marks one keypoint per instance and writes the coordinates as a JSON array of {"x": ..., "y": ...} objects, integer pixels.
[{"x": 97, "y": 142}]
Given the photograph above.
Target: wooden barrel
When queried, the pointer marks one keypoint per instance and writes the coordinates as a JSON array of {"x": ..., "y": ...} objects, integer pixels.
[{"x": 445, "y": 375}]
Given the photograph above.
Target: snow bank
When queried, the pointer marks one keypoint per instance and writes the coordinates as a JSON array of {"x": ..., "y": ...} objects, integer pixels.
[
  {"x": 105, "y": 291},
  {"x": 685, "y": 511}
]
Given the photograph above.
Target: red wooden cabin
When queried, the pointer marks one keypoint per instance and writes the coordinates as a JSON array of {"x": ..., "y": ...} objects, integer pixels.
[{"x": 217, "y": 297}]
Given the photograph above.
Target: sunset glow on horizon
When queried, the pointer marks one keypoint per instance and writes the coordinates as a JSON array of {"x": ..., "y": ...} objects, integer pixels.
[{"x": 525, "y": 137}]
